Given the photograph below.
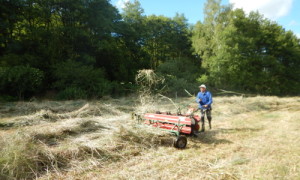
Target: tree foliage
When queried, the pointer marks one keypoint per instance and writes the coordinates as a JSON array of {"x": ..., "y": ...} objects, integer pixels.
[
  {"x": 180, "y": 75},
  {"x": 20, "y": 80},
  {"x": 88, "y": 49},
  {"x": 247, "y": 52}
]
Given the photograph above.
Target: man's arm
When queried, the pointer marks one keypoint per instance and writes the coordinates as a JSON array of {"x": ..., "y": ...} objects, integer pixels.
[{"x": 210, "y": 101}]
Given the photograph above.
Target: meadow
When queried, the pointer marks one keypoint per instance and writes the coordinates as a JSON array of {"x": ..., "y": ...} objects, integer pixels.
[{"x": 252, "y": 138}]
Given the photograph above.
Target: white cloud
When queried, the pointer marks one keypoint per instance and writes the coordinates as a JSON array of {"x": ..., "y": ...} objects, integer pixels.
[
  {"x": 272, "y": 9},
  {"x": 298, "y": 35},
  {"x": 120, "y": 4}
]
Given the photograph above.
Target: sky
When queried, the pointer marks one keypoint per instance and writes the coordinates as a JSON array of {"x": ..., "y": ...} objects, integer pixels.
[{"x": 284, "y": 12}]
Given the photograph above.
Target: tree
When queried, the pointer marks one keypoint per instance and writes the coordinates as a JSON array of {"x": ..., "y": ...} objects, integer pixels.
[
  {"x": 247, "y": 52},
  {"x": 207, "y": 40},
  {"x": 167, "y": 38},
  {"x": 256, "y": 55}
]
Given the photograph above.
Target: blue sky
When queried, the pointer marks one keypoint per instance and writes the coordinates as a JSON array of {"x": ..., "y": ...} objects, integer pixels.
[{"x": 285, "y": 12}]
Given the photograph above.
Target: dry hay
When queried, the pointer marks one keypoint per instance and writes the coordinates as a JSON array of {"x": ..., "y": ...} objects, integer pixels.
[
  {"x": 148, "y": 82},
  {"x": 252, "y": 138},
  {"x": 30, "y": 154},
  {"x": 94, "y": 134},
  {"x": 150, "y": 93},
  {"x": 45, "y": 114}
]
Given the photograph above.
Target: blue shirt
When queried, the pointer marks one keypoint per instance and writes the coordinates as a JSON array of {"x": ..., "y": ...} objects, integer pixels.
[{"x": 206, "y": 99}]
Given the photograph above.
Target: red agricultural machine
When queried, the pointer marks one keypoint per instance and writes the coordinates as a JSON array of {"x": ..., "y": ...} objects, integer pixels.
[{"x": 177, "y": 124}]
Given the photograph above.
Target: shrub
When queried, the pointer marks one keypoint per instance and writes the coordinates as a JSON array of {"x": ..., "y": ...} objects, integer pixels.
[
  {"x": 72, "y": 93},
  {"x": 177, "y": 86},
  {"x": 203, "y": 79},
  {"x": 75, "y": 80},
  {"x": 180, "y": 74},
  {"x": 7, "y": 98},
  {"x": 20, "y": 80},
  {"x": 181, "y": 68},
  {"x": 122, "y": 88}
]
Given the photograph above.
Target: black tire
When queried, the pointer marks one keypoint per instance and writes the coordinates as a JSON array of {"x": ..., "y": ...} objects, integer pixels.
[{"x": 180, "y": 142}]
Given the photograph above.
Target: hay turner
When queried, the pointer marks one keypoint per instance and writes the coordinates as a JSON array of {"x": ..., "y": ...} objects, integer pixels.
[{"x": 177, "y": 124}]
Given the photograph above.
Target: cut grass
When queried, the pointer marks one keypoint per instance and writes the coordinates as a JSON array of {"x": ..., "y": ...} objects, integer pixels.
[
  {"x": 30, "y": 151},
  {"x": 252, "y": 138}
]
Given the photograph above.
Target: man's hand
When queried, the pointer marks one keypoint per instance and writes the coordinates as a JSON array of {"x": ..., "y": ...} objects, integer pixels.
[{"x": 205, "y": 105}]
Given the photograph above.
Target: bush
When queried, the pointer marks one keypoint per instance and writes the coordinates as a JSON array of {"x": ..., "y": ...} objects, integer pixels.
[
  {"x": 122, "y": 88},
  {"x": 181, "y": 68},
  {"x": 72, "y": 93},
  {"x": 177, "y": 86},
  {"x": 180, "y": 74},
  {"x": 75, "y": 80},
  {"x": 20, "y": 80},
  {"x": 203, "y": 79},
  {"x": 7, "y": 98}
]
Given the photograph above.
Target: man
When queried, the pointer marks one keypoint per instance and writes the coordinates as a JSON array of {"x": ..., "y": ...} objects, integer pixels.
[{"x": 204, "y": 98}]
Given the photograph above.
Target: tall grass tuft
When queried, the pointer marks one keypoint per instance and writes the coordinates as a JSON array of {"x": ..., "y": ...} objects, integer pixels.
[{"x": 22, "y": 158}]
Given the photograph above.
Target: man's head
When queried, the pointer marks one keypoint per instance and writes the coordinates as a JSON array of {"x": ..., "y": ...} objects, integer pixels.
[{"x": 202, "y": 88}]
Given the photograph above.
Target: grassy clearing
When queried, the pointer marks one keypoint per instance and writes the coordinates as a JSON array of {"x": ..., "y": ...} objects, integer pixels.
[{"x": 252, "y": 138}]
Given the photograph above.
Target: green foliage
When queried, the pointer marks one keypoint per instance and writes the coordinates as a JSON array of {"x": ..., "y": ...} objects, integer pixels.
[
  {"x": 70, "y": 93},
  {"x": 180, "y": 74},
  {"x": 20, "y": 80},
  {"x": 75, "y": 80},
  {"x": 7, "y": 98},
  {"x": 259, "y": 54},
  {"x": 133, "y": 12},
  {"x": 167, "y": 38},
  {"x": 181, "y": 67},
  {"x": 247, "y": 52},
  {"x": 237, "y": 51},
  {"x": 159, "y": 38},
  {"x": 203, "y": 79}
]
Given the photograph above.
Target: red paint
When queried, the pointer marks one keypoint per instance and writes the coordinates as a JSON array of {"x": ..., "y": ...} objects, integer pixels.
[{"x": 170, "y": 122}]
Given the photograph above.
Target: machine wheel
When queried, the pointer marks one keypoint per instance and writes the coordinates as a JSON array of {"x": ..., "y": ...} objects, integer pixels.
[
  {"x": 180, "y": 142},
  {"x": 197, "y": 127}
]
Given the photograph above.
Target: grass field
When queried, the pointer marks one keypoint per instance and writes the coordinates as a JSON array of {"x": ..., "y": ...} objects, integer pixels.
[{"x": 252, "y": 138}]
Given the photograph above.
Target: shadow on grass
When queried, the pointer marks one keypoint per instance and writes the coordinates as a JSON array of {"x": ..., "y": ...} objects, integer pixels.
[
  {"x": 209, "y": 137},
  {"x": 6, "y": 126}
]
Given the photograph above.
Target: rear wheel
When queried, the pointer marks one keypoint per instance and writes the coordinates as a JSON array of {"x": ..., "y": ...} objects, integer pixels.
[{"x": 180, "y": 142}]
